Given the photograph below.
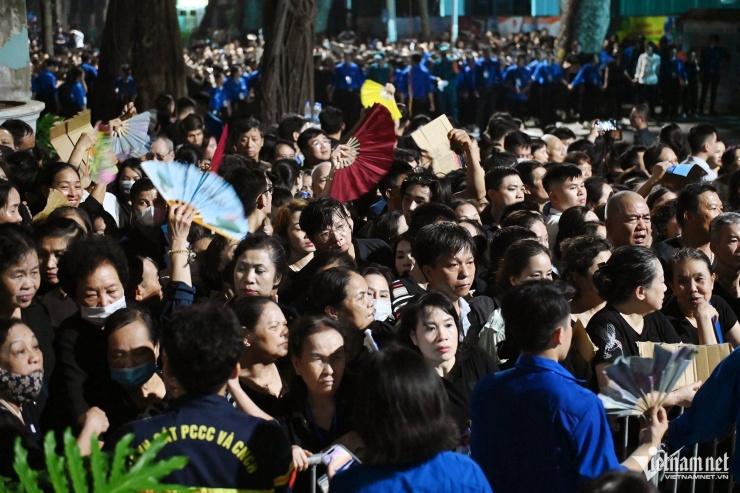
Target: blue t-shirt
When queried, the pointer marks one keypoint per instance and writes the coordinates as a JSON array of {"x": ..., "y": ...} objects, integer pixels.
[
  {"x": 588, "y": 75},
  {"x": 421, "y": 81},
  {"x": 519, "y": 78},
  {"x": 447, "y": 471},
  {"x": 536, "y": 429},
  {"x": 487, "y": 73},
  {"x": 235, "y": 90},
  {"x": 77, "y": 94},
  {"x": 347, "y": 77}
]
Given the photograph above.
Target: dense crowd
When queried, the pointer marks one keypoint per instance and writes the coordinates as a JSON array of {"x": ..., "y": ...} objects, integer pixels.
[{"x": 449, "y": 330}]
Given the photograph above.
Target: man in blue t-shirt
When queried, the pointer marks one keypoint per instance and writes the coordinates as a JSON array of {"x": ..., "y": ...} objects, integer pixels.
[
  {"x": 225, "y": 447},
  {"x": 44, "y": 87},
  {"x": 536, "y": 416}
]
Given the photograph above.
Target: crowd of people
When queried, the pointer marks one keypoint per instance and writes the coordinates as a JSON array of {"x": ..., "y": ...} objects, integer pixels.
[{"x": 450, "y": 331}]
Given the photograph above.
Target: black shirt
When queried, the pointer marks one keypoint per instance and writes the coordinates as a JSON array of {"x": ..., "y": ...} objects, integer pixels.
[
  {"x": 11, "y": 428},
  {"x": 728, "y": 297},
  {"x": 614, "y": 337},
  {"x": 644, "y": 138},
  {"x": 687, "y": 332},
  {"x": 471, "y": 364},
  {"x": 372, "y": 251}
]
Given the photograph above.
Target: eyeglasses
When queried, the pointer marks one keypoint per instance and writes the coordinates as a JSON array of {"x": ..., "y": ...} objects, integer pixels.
[
  {"x": 319, "y": 143},
  {"x": 270, "y": 189},
  {"x": 337, "y": 229}
]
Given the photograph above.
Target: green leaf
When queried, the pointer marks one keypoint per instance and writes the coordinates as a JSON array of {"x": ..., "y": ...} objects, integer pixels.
[
  {"x": 29, "y": 478},
  {"x": 55, "y": 464},
  {"x": 98, "y": 465},
  {"x": 75, "y": 464},
  {"x": 120, "y": 454},
  {"x": 147, "y": 471}
]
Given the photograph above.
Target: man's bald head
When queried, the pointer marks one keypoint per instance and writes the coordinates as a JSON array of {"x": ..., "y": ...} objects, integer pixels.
[
  {"x": 628, "y": 220},
  {"x": 318, "y": 177},
  {"x": 555, "y": 148}
]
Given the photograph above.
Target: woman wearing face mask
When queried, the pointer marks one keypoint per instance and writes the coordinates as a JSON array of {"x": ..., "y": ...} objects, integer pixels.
[
  {"x": 430, "y": 323},
  {"x": 378, "y": 279},
  {"x": 132, "y": 349},
  {"x": 93, "y": 272},
  {"x": 265, "y": 343},
  {"x": 21, "y": 382},
  {"x": 320, "y": 405},
  {"x": 19, "y": 282},
  {"x": 145, "y": 237},
  {"x": 53, "y": 237},
  {"x": 129, "y": 172}
]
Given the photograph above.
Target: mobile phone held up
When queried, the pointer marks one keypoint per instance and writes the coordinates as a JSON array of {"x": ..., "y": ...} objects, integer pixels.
[
  {"x": 604, "y": 126},
  {"x": 340, "y": 457}
]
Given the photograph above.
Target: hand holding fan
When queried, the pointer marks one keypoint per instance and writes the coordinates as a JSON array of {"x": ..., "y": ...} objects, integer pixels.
[
  {"x": 367, "y": 157},
  {"x": 131, "y": 137},
  {"x": 216, "y": 204},
  {"x": 636, "y": 383},
  {"x": 371, "y": 92}
]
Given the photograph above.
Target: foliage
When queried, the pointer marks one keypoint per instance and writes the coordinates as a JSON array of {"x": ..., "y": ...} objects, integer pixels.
[
  {"x": 43, "y": 129},
  {"x": 100, "y": 473}
]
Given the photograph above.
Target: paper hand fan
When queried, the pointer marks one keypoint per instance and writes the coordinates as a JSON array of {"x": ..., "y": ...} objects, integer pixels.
[
  {"x": 371, "y": 155},
  {"x": 102, "y": 163},
  {"x": 216, "y": 204},
  {"x": 636, "y": 383},
  {"x": 371, "y": 92},
  {"x": 54, "y": 201},
  {"x": 131, "y": 137}
]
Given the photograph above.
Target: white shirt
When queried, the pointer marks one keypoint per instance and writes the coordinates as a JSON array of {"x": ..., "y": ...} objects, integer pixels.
[
  {"x": 710, "y": 176},
  {"x": 552, "y": 223},
  {"x": 464, "y": 322},
  {"x": 647, "y": 69}
]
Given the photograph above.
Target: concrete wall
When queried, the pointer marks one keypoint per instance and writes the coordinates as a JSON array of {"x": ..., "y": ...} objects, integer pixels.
[{"x": 15, "y": 68}]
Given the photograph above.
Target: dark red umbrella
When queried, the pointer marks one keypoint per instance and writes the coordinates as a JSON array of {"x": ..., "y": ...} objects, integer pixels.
[{"x": 371, "y": 142}]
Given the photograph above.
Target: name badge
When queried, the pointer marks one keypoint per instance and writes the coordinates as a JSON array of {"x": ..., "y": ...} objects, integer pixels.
[
  {"x": 485, "y": 74},
  {"x": 348, "y": 80}
]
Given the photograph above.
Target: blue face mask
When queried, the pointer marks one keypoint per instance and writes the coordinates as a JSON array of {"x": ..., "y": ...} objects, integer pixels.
[{"x": 134, "y": 377}]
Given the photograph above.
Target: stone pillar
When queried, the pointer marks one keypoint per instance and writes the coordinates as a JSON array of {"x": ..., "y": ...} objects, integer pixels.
[{"x": 15, "y": 67}]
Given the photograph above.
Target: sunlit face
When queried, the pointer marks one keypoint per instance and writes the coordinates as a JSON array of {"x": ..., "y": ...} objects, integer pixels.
[
  {"x": 255, "y": 274},
  {"x": 538, "y": 267},
  {"x": 585, "y": 283},
  {"x": 403, "y": 262},
  {"x": 692, "y": 284},
  {"x": 250, "y": 144},
  {"x": 298, "y": 242},
  {"x": 10, "y": 212},
  {"x": 631, "y": 224},
  {"x": 6, "y": 139},
  {"x": 27, "y": 142},
  {"x": 101, "y": 288},
  {"x": 160, "y": 152},
  {"x": 541, "y": 155},
  {"x": 668, "y": 155},
  {"x": 357, "y": 310},
  {"x": 415, "y": 196},
  {"x": 69, "y": 184},
  {"x": 511, "y": 191},
  {"x": 436, "y": 336},
  {"x": 319, "y": 148},
  {"x": 655, "y": 292},
  {"x": 569, "y": 193},
  {"x": 19, "y": 282},
  {"x": 337, "y": 237},
  {"x": 468, "y": 211},
  {"x": 210, "y": 149},
  {"x": 20, "y": 353},
  {"x": 378, "y": 287},
  {"x": 52, "y": 249},
  {"x": 195, "y": 137},
  {"x": 130, "y": 346},
  {"x": 269, "y": 336},
  {"x": 727, "y": 247},
  {"x": 453, "y": 274},
  {"x": 710, "y": 206},
  {"x": 150, "y": 287},
  {"x": 322, "y": 362},
  {"x": 539, "y": 228}
]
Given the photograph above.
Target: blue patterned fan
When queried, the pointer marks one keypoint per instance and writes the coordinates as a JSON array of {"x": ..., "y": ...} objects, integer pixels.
[
  {"x": 215, "y": 201},
  {"x": 131, "y": 137}
]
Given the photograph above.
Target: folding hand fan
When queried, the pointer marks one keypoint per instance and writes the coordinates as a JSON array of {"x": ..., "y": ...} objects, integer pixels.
[
  {"x": 371, "y": 92},
  {"x": 102, "y": 162},
  {"x": 636, "y": 383},
  {"x": 216, "y": 204},
  {"x": 371, "y": 145},
  {"x": 131, "y": 137}
]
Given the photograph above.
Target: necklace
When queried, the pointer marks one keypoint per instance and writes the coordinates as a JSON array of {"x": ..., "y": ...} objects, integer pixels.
[{"x": 10, "y": 408}]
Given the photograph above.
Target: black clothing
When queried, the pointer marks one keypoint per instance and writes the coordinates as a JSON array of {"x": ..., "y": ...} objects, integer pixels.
[
  {"x": 614, "y": 337},
  {"x": 11, "y": 428},
  {"x": 729, "y": 298},
  {"x": 471, "y": 364},
  {"x": 644, "y": 138},
  {"x": 58, "y": 305},
  {"x": 372, "y": 251},
  {"x": 687, "y": 332}
]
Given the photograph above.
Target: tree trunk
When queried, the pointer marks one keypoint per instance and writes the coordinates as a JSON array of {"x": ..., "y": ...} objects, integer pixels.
[
  {"x": 287, "y": 63},
  {"x": 584, "y": 20},
  {"x": 47, "y": 27},
  {"x": 426, "y": 29},
  {"x": 146, "y": 35}
]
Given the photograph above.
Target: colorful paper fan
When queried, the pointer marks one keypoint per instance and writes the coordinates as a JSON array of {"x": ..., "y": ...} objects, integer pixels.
[
  {"x": 372, "y": 92},
  {"x": 102, "y": 163},
  {"x": 132, "y": 137},
  {"x": 372, "y": 143},
  {"x": 216, "y": 204},
  {"x": 636, "y": 383}
]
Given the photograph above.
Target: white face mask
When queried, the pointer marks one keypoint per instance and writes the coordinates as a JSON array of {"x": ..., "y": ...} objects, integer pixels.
[
  {"x": 97, "y": 315},
  {"x": 126, "y": 186},
  {"x": 383, "y": 309}
]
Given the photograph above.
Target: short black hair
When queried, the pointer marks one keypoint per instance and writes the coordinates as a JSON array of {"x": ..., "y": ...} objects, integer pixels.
[
  {"x": 60, "y": 227},
  {"x": 17, "y": 128},
  {"x": 272, "y": 245},
  {"x": 532, "y": 328},
  {"x": 319, "y": 214},
  {"x": 560, "y": 173},
  {"x": 523, "y": 218},
  {"x": 307, "y": 135},
  {"x": 499, "y": 159},
  {"x": 67, "y": 211},
  {"x": 385, "y": 227},
  {"x": 630, "y": 266},
  {"x": 419, "y": 426},
  {"x": 413, "y": 311},
  {"x": 517, "y": 139},
  {"x": 563, "y": 133},
  {"x": 329, "y": 288},
  {"x": 684, "y": 255},
  {"x": 688, "y": 199},
  {"x": 425, "y": 179},
  {"x": 398, "y": 168},
  {"x": 249, "y": 184},
  {"x": 651, "y": 157},
  {"x": 495, "y": 176},
  {"x": 128, "y": 315},
  {"x": 203, "y": 344},
  {"x": 503, "y": 238},
  {"x": 189, "y": 153},
  {"x": 141, "y": 186},
  {"x": 85, "y": 256},
  {"x": 525, "y": 169},
  {"x": 435, "y": 240},
  {"x": 249, "y": 309},
  {"x": 15, "y": 243},
  {"x": 190, "y": 123},
  {"x": 516, "y": 258},
  {"x": 24, "y": 172},
  {"x": 594, "y": 188},
  {"x": 698, "y": 135},
  {"x": 306, "y": 326},
  {"x": 50, "y": 171},
  {"x": 331, "y": 119},
  {"x": 289, "y": 124}
]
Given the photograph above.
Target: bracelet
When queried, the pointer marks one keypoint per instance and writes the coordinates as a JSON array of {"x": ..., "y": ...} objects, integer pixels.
[{"x": 188, "y": 253}]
